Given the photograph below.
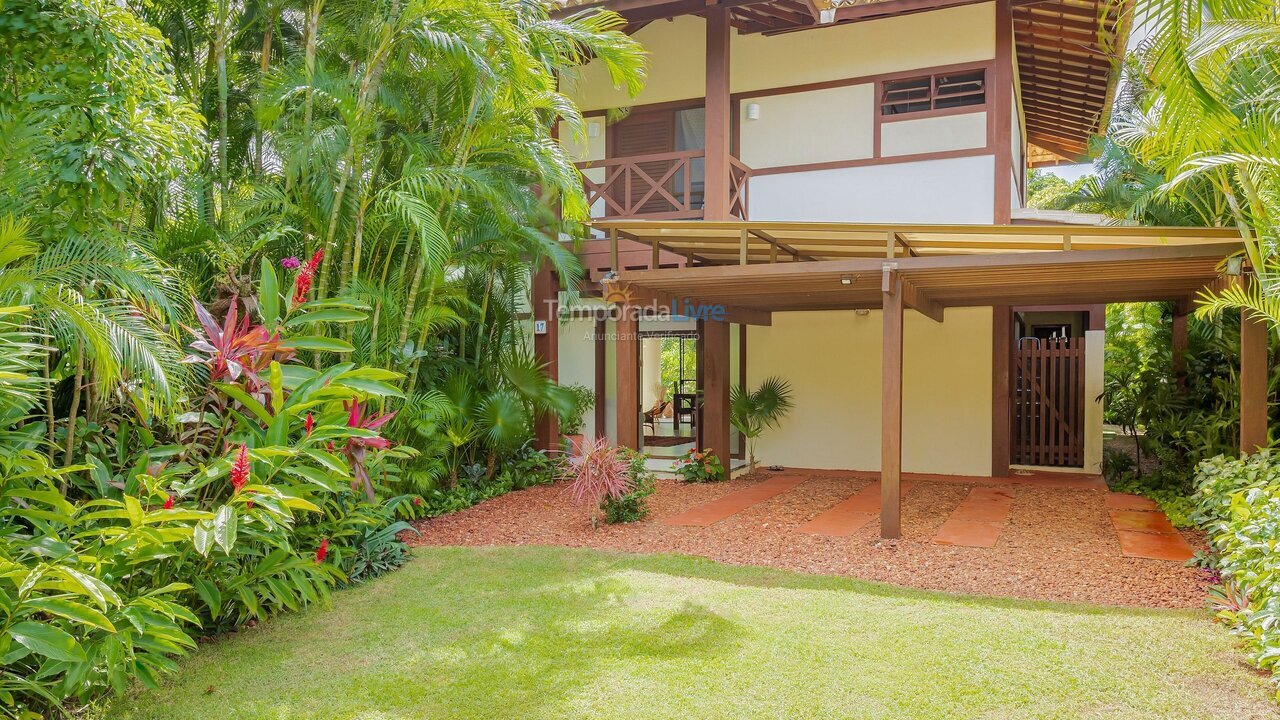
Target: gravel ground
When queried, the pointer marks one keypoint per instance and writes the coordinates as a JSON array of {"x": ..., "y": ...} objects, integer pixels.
[{"x": 1057, "y": 545}]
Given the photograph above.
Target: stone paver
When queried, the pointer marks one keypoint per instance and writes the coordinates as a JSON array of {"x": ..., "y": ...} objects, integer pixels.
[
  {"x": 1144, "y": 531},
  {"x": 1154, "y": 546},
  {"x": 852, "y": 514},
  {"x": 1125, "y": 501},
  {"x": 978, "y": 520},
  {"x": 735, "y": 502}
]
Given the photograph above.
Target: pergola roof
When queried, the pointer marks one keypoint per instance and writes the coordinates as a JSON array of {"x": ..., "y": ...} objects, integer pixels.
[{"x": 826, "y": 266}]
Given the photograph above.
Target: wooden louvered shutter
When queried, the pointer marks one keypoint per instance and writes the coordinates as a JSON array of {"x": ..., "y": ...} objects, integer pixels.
[{"x": 645, "y": 134}]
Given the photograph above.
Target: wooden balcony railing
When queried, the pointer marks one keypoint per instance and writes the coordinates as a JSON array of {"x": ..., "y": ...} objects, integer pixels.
[{"x": 659, "y": 186}]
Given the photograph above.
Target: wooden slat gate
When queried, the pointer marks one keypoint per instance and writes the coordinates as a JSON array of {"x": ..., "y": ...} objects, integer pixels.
[{"x": 1048, "y": 402}]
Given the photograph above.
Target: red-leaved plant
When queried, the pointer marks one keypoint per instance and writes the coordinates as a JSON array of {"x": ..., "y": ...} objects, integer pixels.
[{"x": 598, "y": 473}]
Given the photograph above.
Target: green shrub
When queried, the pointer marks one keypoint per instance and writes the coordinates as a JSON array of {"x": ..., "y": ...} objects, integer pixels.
[
  {"x": 1238, "y": 505},
  {"x": 699, "y": 466},
  {"x": 632, "y": 506}
]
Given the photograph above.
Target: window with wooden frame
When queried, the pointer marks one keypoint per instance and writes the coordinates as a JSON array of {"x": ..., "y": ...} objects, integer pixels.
[{"x": 934, "y": 92}]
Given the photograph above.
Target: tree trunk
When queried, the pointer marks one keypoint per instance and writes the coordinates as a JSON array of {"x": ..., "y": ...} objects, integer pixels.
[{"x": 69, "y": 443}]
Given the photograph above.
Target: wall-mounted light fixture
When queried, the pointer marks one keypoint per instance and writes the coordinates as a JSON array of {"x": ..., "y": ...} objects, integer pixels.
[
  {"x": 862, "y": 312},
  {"x": 753, "y": 111},
  {"x": 1235, "y": 265},
  {"x": 846, "y": 279},
  {"x": 593, "y": 129}
]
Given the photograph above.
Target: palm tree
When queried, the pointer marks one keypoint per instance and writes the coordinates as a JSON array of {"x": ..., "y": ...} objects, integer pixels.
[{"x": 1208, "y": 117}]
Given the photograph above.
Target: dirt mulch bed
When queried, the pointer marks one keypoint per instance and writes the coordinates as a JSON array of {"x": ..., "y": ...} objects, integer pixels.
[{"x": 1057, "y": 544}]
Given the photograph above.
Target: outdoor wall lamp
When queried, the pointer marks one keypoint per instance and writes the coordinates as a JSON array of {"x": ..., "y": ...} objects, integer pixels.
[
  {"x": 753, "y": 111},
  {"x": 846, "y": 279},
  {"x": 1235, "y": 265},
  {"x": 609, "y": 277}
]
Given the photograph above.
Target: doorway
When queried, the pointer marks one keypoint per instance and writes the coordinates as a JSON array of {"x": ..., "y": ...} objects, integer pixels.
[
  {"x": 1047, "y": 393},
  {"x": 670, "y": 394}
]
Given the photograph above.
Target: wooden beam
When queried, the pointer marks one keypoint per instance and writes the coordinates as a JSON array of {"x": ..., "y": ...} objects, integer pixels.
[
  {"x": 891, "y": 410},
  {"x": 643, "y": 296},
  {"x": 716, "y": 378},
  {"x": 718, "y": 117},
  {"x": 914, "y": 298},
  {"x": 545, "y": 297},
  {"x": 627, "y": 378},
  {"x": 1254, "y": 334},
  {"x": 1001, "y": 385}
]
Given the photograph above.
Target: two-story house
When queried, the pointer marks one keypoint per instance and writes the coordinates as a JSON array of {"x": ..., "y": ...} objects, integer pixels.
[{"x": 832, "y": 193}]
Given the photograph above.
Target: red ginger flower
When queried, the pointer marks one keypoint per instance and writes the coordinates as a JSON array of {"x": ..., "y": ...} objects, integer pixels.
[
  {"x": 240, "y": 469},
  {"x": 302, "y": 283},
  {"x": 168, "y": 502},
  {"x": 309, "y": 424},
  {"x": 323, "y": 552}
]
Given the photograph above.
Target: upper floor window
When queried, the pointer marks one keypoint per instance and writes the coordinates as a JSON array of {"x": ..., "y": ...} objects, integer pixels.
[{"x": 934, "y": 92}]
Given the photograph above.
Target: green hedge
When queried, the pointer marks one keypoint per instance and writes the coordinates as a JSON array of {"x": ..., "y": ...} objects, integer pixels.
[{"x": 1238, "y": 505}]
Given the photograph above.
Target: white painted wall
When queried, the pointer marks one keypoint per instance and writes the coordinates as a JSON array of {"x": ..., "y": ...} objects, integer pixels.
[
  {"x": 832, "y": 360},
  {"x": 809, "y": 127},
  {"x": 956, "y": 190},
  {"x": 577, "y": 359},
  {"x": 933, "y": 134},
  {"x": 1094, "y": 363}
]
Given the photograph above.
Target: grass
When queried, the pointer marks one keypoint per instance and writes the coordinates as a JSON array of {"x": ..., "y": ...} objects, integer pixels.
[{"x": 558, "y": 633}]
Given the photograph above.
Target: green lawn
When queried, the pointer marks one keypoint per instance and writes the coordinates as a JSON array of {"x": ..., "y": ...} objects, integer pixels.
[{"x": 556, "y": 633}]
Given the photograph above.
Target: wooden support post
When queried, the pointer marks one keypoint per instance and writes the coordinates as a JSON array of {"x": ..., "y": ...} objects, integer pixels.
[
  {"x": 715, "y": 390},
  {"x": 602, "y": 374},
  {"x": 742, "y": 248},
  {"x": 891, "y": 410},
  {"x": 1066, "y": 242},
  {"x": 1001, "y": 403},
  {"x": 1254, "y": 334},
  {"x": 546, "y": 296},
  {"x": 891, "y": 245},
  {"x": 627, "y": 377},
  {"x": 1001, "y": 117},
  {"x": 655, "y": 261},
  {"x": 773, "y": 252},
  {"x": 718, "y": 116},
  {"x": 1181, "y": 308},
  {"x": 613, "y": 250}
]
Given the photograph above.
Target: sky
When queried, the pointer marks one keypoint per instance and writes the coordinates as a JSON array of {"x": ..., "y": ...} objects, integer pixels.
[{"x": 1070, "y": 173}]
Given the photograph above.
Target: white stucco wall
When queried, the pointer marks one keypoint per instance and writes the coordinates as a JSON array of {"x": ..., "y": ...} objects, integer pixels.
[
  {"x": 955, "y": 190},
  {"x": 832, "y": 360},
  {"x": 934, "y": 134}
]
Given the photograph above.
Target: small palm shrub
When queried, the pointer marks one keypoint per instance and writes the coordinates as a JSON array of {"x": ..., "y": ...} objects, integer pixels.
[
  {"x": 754, "y": 411},
  {"x": 1238, "y": 505},
  {"x": 633, "y": 505},
  {"x": 599, "y": 473},
  {"x": 699, "y": 466}
]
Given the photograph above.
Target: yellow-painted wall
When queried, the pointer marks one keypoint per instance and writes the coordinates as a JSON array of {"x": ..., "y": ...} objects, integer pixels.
[
  {"x": 832, "y": 360},
  {"x": 818, "y": 126},
  {"x": 906, "y": 42}
]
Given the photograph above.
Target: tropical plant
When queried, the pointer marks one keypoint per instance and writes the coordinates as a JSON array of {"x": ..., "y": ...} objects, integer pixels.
[
  {"x": 1238, "y": 505},
  {"x": 753, "y": 412},
  {"x": 699, "y": 466},
  {"x": 1202, "y": 116},
  {"x": 633, "y": 505},
  {"x": 598, "y": 473},
  {"x": 583, "y": 399}
]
